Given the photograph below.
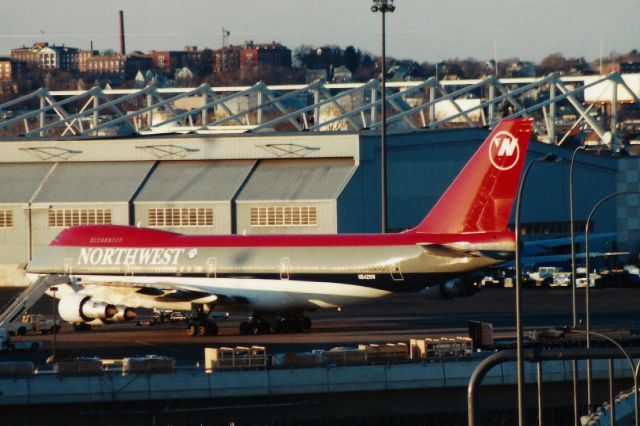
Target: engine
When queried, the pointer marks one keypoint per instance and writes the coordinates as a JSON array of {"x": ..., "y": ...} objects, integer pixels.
[
  {"x": 78, "y": 308},
  {"x": 449, "y": 289},
  {"x": 124, "y": 314}
]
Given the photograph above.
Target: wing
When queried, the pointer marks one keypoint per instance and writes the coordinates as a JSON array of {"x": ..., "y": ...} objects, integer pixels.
[{"x": 162, "y": 290}]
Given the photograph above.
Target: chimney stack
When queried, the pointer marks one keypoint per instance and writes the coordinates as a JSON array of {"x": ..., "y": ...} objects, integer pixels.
[{"x": 122, "y": 49}]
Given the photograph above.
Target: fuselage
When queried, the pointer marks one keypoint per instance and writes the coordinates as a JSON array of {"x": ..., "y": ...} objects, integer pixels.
[{"x": 329, "y": 270}]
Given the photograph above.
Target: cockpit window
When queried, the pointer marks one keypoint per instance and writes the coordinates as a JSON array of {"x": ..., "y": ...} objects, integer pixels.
[{"x": 57, "y": 238}]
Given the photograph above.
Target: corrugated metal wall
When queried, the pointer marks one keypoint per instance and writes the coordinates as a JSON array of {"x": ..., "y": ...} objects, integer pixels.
[
  {"x": 86, "y": 186},
  {"x": 294, "y": 183},
  {"x": 194, "y": 185},
  {"x": 18, "y": 184}
]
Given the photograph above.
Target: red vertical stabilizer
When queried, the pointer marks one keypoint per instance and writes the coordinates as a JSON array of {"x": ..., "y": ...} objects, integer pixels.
[{"x": 481, "y": 197}]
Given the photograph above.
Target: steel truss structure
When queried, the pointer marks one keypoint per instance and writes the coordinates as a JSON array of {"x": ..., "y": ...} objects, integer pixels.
[{"x": 319, "y": 106}]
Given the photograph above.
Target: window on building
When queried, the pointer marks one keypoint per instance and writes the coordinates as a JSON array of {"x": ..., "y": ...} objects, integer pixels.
[
  {"x": 63, "y": 218},
  {"x": 6, "y": 218},
  {"x": 181, "y": 217},
  {"x": 284, "y": 216}
]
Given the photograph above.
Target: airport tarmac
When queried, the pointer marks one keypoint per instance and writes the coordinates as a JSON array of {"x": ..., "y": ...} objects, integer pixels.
[{"x": 391, "y": 320}]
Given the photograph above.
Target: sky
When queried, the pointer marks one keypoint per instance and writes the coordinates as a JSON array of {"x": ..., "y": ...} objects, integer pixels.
[{"x": 423, "y": 30}]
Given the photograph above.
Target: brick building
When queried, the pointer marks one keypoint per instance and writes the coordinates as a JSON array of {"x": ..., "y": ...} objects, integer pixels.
[
  {"x": 123, "y": 66},
  {"x": 168, "y": 61},
  {"x": 84, "y": 57},
  {"x": 264, "y": 57},
  {"x": 226, "y": 59},
  {"x": 47, "y": 57},
  {"x": 10, "y": 68}
]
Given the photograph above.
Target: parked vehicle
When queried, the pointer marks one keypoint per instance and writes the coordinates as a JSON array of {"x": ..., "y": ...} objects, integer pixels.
[
  {"x": 18, "y": 328},
  {"x": 40, "y": 323},
  {"x": 561, "y": 279},
  {"x": 543, "y": 277},
  {"x": 163, "y": 315},
  {"x": 9, "y": 345}
]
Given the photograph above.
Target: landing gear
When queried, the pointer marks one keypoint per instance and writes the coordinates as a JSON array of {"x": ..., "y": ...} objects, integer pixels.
[
  {"x": 200, "y": 324},
  {"x": 288, "y": 323},
  {"x": 81, "y": 326},
  {"x": 208, "y": 329},
  {"x": 255, "y": 326}
]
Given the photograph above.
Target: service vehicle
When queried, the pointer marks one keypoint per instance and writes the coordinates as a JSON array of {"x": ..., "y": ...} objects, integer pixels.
[
  {"x": 40, "y": 323},
  {"x": 9, "y": 345}
]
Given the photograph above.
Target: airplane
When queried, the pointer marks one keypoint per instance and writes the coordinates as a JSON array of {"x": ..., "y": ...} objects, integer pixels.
[{"x": 276, "y": 279}]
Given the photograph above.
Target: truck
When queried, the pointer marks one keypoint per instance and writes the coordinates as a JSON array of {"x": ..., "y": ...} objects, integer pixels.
[
  {"x": 18, "y": 328},
  {"x": 9, "y": 345},
  {"x": 543, "y": 277},
  {"x": 40, "y": 323}
]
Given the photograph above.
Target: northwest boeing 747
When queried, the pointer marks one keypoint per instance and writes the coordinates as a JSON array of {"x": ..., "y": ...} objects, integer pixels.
[{"x": 276, "y": 279}]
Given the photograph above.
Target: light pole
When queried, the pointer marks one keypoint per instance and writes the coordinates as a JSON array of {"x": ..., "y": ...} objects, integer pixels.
[
  {"x": 586, "y": 293},
  {"x": 574, "y": 363},
  {"x": 54, "y": 352},
  {"x": 573, "y": 238},
  {"x": 520, "y": 361},
  {"x": 383, "y": 6}
]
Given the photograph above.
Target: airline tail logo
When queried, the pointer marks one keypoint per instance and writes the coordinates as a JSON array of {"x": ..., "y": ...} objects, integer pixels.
[{"x": 504, "y": 151}]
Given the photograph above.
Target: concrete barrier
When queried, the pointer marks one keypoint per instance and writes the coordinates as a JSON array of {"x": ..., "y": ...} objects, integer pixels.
[{"x": 45, "y": 388}]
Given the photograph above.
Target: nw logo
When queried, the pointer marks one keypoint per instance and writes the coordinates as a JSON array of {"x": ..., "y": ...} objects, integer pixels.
[{"x": 504, "y": 151}]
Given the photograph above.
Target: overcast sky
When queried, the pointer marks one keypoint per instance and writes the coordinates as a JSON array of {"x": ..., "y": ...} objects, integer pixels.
[{"x": 424, "y": 30}]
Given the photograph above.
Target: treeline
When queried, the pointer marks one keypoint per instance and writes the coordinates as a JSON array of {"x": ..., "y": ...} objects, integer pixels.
[
  {"x": 364, "y": 65},
  {"x": 361, "y": 65}
]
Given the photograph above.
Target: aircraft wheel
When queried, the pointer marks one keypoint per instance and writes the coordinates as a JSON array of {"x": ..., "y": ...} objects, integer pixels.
[
  {"x": 296, "y": 325},
  {"x": 80, "y": 326},
  {"x": 280, "y": 326},
  {"x": 254, "y": 328},
  {"x": 213, "y": 329},
  {"x": 192, "y": 330},
  {"x": 264, "y": 328},
  {"x": 245, "y": 328},
  {"x": 203, "y": 330},
  {"x": 306, "y": 323}
]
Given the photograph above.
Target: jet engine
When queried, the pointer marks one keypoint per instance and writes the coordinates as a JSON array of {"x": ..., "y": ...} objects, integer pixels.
[
  {"x": 78, "y": 308},
  {"x": 124, "y": 314},
  {"x": 456, "y": 287}
]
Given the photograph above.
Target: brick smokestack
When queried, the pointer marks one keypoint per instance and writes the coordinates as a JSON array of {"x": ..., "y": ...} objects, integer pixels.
[{"x": 122, "y": 49}]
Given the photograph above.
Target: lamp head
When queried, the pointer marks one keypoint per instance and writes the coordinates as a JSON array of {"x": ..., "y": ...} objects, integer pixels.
[{"x": 383, "y": 6}]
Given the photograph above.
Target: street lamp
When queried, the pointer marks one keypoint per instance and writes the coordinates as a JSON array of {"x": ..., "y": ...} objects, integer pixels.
[
  {"x": 383, "y": 6},
  {"x": 587, "y": 302},
  {"x": 549, "y": 158},
  {"x": 573, "y": 238},
  {"x": 54, "y": 354},
  {"x": 574, "y": 363}
]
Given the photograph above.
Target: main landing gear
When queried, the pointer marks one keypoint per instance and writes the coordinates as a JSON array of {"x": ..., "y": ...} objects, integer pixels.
[
  {"x": 258, "y": 324},
  {"x": 200, "y": 324}
]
